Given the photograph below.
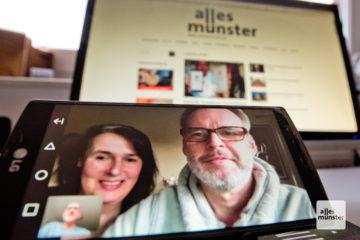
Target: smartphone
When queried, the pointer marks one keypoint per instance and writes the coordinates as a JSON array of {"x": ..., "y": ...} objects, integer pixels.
[
  {"x": 54, "y": 166},
  {"x": 196, "y": 81}
]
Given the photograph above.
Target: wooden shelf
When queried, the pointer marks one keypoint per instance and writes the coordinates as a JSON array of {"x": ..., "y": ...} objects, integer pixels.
[{"x": 34, "y": 81}]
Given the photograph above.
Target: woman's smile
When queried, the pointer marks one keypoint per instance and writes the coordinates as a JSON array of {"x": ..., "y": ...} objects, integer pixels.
[{"x": 111, "y": 185}]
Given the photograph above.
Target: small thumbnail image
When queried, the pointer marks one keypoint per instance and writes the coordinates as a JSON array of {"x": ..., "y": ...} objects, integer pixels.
[
  {"x": 155, "y": 79},
  {"x": 214, "y": 79},
  {"x": 259, "y": 96},
  {"x": 256, "y": 67},
  {"x": 258, "y": 82},
  {"x": 71, "y": 216},
  {"x": 154, "y": 100}
]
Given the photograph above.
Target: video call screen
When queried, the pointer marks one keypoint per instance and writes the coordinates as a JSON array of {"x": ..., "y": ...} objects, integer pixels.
[
  {"x": 220, "y": 53},
  {"x": 62, "y": 176}
]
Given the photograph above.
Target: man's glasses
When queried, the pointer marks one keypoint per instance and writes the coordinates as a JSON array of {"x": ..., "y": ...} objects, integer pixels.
[{"x": 224, "y": 133}]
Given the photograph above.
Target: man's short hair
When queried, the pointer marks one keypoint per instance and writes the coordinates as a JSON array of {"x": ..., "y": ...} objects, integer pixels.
[{"x": 238, "y": 112}]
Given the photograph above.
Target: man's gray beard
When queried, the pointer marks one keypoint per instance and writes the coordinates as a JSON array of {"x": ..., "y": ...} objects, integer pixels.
[{"x": 233, "y": 180}]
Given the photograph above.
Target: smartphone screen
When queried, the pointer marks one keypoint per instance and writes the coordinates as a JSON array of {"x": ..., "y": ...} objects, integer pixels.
[{"x": 54, "y": 159}]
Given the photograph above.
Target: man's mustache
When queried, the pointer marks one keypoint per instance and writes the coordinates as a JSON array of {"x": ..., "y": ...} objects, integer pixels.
[{"x": 215, "y": 154}]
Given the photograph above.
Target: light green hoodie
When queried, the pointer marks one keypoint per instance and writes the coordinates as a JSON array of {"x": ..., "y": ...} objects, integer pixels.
[{"x": 184, "y": 207}]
